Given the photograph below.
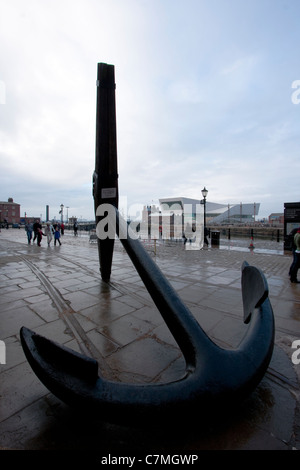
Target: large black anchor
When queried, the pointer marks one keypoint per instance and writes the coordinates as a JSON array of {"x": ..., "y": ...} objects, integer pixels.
[{"x": 215, "y": 378}]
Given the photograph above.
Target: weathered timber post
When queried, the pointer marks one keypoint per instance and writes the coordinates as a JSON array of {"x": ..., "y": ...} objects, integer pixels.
[{"x": 105, "y": 177}]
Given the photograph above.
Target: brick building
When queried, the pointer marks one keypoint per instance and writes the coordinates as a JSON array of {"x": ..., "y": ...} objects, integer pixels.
[
  {"x": 10, "y": 211},
  {"x": 276, "y": 218}
]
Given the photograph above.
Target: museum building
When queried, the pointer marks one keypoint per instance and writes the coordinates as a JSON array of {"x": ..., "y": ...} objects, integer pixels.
[{"x": 216, "y": 214}]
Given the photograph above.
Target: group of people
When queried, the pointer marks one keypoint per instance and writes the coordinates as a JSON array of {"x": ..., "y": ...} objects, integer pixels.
[
  {"x": 295, "y": 238},
  {"x": 35, "y": 232}
]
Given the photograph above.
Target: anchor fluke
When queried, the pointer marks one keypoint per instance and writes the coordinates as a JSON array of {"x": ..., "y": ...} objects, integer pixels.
[
  {"x": 57, "y": 357},
  {"x": 255, "y": 289}
]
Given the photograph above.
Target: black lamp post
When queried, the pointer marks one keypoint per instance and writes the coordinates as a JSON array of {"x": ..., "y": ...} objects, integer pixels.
[{"x": 204, "y": 194}]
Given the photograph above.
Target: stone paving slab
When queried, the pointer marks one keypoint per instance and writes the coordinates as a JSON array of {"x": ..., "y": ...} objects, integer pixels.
[{"x": 57, "y": 291}]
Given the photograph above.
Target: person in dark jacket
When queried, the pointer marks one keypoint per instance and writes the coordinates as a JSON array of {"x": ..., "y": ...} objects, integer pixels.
[
  {"x": 36, "y": 226},
  {"x": 39, "y": 236},
  {"x": 291, "y": 236}
]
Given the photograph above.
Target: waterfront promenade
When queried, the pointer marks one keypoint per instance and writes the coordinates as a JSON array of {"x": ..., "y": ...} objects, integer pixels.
[{"x": 58, "y": 292}]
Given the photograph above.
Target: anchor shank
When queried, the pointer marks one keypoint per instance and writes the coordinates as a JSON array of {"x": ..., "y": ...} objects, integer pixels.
[{"x": 105, "y": 177}]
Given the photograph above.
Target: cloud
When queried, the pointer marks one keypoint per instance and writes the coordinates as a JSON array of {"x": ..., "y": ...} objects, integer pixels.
[{"x": 203, "y": 99}]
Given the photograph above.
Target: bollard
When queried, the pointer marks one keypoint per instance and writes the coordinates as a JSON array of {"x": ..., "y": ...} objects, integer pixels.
[{"x": 215, "y": 238}]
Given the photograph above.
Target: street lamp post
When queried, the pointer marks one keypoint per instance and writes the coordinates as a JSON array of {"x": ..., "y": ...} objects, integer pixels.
[{"x": 204, "y": 194}]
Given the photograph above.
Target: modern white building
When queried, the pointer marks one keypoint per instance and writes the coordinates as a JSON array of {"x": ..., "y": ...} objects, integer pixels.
[
  {"x": 215, "y": 213},
  {"x": 180, "y": 216}
]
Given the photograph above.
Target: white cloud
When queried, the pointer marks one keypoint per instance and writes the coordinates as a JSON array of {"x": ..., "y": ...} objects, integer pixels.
[
  {"x": 242, "y": 66},
  {"x": 203, "y": 98}
]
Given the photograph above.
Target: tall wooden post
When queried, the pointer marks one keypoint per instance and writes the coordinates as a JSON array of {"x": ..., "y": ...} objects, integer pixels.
[{"x": 105, "y": 178}]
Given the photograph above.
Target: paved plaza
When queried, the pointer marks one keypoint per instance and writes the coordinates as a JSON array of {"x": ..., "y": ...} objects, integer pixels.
[{"x": 58, "y": 293}]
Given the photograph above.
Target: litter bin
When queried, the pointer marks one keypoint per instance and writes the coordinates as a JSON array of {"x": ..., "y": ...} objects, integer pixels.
[{"x": 215, "y": 238}]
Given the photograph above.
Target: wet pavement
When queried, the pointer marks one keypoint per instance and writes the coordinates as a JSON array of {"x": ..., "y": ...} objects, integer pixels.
[{"x": 58, "y": 293}]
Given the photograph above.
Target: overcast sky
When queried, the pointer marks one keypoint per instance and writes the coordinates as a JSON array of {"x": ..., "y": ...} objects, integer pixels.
[{"x": 204, "y": 97}]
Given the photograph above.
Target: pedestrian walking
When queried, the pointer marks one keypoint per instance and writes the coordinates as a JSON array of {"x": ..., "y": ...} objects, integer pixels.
[
  {"x": 75, "y": 227},
  {"x": 291, "y": 237},
  {"x": 48, "y": 232},
  {"x": 296, "y": 264},
  {"x": 39, "y": 236},
  {"x": 36, "y": 226},
  {"x": 29, "y": 230},
  {"x": 206, "y": 234},
  {"x": 57, "y": 236}
]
